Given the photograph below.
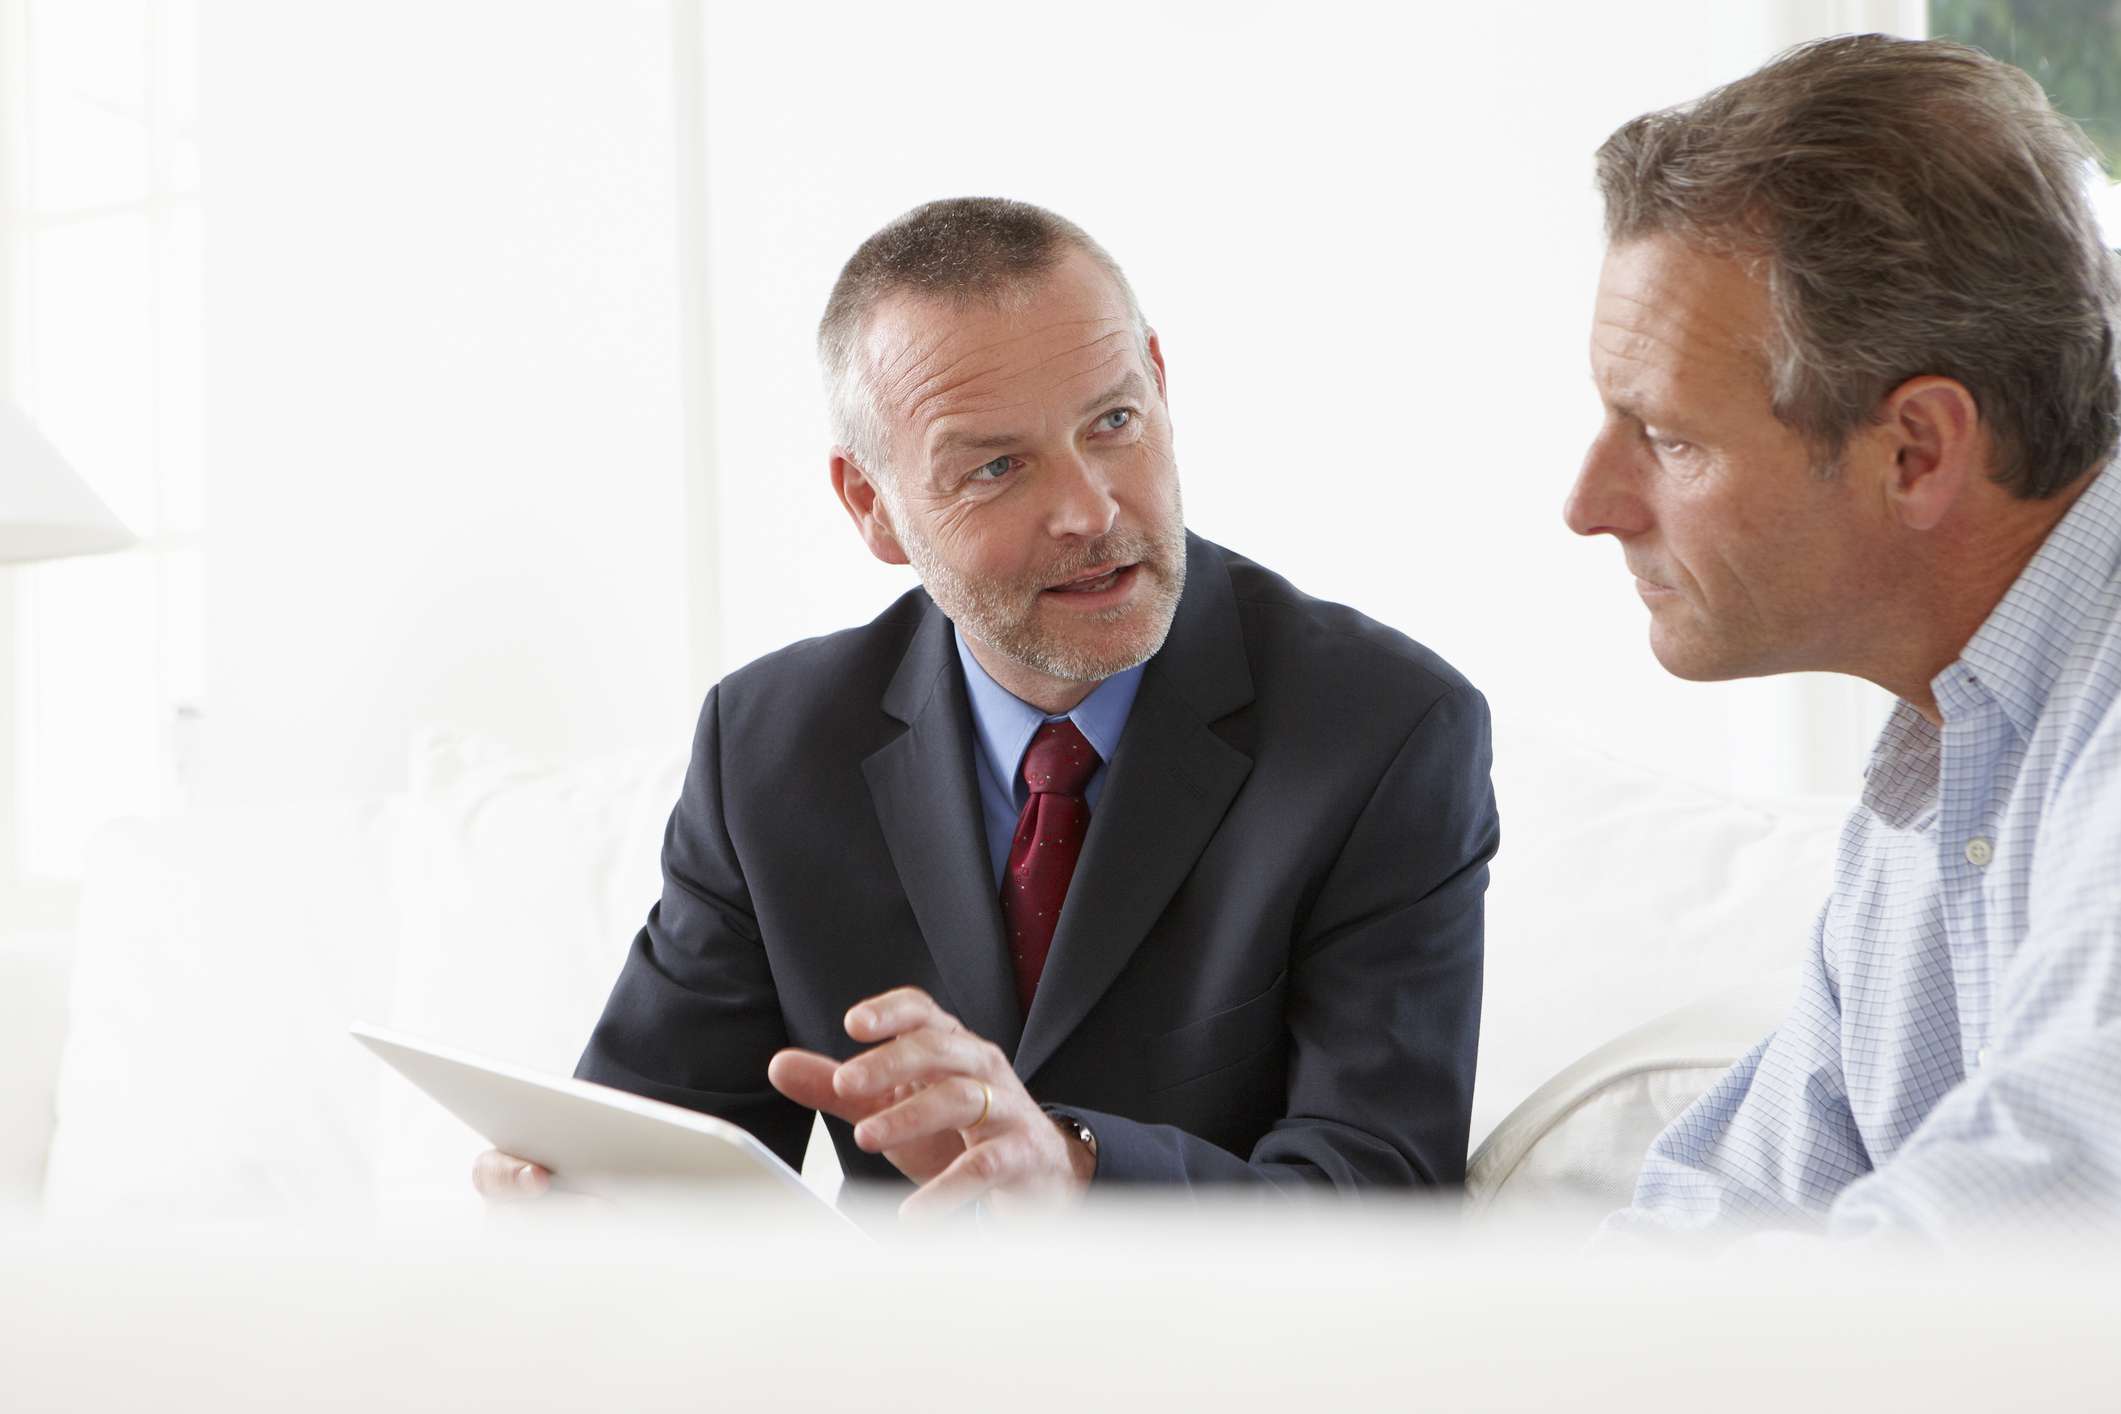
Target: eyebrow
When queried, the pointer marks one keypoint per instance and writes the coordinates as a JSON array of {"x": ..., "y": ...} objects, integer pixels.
[
  {"x": 952, "y": 443},
  {"x": 1130, "y": 386}
]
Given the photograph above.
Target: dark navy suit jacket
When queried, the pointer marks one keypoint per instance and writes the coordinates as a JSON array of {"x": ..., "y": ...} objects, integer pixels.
[{"x": 1268, "y": 967}]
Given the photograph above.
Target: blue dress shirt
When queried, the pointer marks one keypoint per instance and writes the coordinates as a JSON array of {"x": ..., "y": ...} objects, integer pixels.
[
  {"x": 1003, "y": 724},
  {"x": 1953, "y": 1060}
]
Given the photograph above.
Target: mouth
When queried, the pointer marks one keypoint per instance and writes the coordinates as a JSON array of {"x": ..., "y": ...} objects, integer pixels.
[
  {"x": 1100, "y": 582},
  {"x": 1651, "y": 589}
]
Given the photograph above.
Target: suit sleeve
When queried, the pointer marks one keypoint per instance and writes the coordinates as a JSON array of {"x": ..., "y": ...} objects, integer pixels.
[
  {"x": 694, "y": 1018},
  {"x": 1383, "y": 1007}
]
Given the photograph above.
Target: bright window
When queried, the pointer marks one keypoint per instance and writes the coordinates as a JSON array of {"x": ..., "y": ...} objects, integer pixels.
[
  {"x": 103, "y": 333},
  {"x": 2073, "y": 47}
]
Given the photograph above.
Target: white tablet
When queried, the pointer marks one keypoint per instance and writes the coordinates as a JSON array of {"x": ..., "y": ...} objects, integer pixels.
[{"x": 615, "y": 1145}]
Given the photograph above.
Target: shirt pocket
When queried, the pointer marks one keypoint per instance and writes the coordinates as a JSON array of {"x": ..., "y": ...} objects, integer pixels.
[{"x": 1216, "y": 1042}]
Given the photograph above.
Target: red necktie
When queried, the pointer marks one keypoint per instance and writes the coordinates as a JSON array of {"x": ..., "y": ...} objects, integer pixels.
[{"x": 1049, "y": 839}]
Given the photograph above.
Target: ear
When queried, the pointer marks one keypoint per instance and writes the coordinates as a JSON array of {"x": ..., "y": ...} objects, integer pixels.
[
  {"x": 1156, "y": 366},
  {"x": 1931, "y": 428},
  {"x": 865, "y": 504}
]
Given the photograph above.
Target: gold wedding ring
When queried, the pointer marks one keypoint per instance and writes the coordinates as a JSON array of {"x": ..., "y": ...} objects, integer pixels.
[{"x": 986, "y": 1102}]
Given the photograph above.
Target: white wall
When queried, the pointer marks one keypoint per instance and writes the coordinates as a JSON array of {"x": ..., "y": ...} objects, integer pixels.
[
  {"x": 450, "y": 251},
  {"x": 444, "y": 420},
  {"x": 1368, "y": 239},
  {"x": 448, "y": 358}
]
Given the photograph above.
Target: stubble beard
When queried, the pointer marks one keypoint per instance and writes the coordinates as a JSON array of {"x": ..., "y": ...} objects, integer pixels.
[{"x": 1005, "y": 617}]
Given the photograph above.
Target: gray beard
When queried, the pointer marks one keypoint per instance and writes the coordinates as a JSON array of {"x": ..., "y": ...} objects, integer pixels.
[{"x": 1004, "y": 617}]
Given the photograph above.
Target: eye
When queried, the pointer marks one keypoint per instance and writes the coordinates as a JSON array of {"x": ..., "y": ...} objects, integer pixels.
[
  {"x": 994, "y": 470},
  {"x": 1666, "y": 446},
  {"x": 1116, "y": 420}
]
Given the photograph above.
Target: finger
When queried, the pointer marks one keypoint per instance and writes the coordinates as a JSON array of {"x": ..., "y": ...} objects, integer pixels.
[
  {"x": 806, "y": 1078},
  {"x": 895, "y": 1012},
  {"x": 974, "y": 1173},
  {"x": 504, "y": 1176},
  {"x": 927, "y": 1054},
  {"x": 959, "y": 1103}
]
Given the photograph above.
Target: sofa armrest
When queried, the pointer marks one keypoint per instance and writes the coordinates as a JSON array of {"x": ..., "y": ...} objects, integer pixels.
[{"x": 1570, "y": 1153}]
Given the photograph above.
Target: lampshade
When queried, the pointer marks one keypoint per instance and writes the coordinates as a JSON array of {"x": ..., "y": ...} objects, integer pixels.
[{"x": 45, "y": 510}]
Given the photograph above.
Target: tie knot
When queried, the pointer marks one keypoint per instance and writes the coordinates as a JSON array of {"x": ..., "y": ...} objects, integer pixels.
[{"x": 1059, "y": 760}]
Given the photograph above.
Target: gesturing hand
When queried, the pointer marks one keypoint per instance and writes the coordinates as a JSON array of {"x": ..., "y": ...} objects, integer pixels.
[{"x": 943, "y": 1105}]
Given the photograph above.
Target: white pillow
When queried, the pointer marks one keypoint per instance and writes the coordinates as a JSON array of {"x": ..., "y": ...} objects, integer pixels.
[
  {"x": 1620, "y": 894},
  {"x": 523, "y": 884},
  {"x": 219, "y": 957}
]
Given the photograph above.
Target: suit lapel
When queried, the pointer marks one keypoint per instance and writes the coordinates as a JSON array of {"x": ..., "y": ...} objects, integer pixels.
[
  {"x": 928, "y": 801},
  {"x": 1172, "y": 781}
]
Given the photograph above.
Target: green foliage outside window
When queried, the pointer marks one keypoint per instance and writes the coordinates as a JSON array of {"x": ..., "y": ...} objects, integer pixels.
[{"x": 2073, "y": 47}]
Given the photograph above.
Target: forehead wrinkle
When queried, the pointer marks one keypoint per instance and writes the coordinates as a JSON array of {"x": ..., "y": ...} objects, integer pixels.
[
  {"x": 941, "y": 436},
  {"x": 1617, "y": 365},
  {"x": 900, "y": 373},
  {"x": 1713, "y": 309},
  {"x": 1013, "y": 339},
  {"x": 925, "y": 398},
  {"x": 1675, "y": 334},
  {"x": 889, "y": 375}
]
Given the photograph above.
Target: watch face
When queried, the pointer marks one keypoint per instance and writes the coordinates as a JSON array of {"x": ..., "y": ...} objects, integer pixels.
[{"x": 1078, "y": 1131}]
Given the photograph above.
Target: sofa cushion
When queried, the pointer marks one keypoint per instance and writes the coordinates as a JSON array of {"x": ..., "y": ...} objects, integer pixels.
[
  {"x": 218, "y": 959},
  {"x": 221, "y": 956},
  {"x": 521, "y": 884},
  {"x": 1621, "y": 894}
]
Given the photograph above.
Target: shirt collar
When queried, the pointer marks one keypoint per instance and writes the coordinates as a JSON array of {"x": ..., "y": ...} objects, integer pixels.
[
  {"x": 1900, "y": 783},
  {"x": 2018, "y": 652},
  {"x": 2012, "y": 660},
  {"x": 1004, "y": 722}
]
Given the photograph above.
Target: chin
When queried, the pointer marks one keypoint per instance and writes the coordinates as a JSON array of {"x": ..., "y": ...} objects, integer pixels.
[
  {"x": 1092, "y": 661},
  {"x": 1698, "y": 662},
  {"x": 1094, "y": 648}
]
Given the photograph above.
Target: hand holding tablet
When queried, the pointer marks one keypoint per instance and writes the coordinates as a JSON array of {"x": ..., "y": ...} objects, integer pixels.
[{"x": 578, "y": 1137}]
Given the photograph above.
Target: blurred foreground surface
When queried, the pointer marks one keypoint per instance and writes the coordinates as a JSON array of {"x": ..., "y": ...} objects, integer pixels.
[{"x": 1150, "y": 1306}]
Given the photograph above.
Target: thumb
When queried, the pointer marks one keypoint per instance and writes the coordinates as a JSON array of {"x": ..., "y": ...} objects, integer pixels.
[{"x": 501, "y": 1176}]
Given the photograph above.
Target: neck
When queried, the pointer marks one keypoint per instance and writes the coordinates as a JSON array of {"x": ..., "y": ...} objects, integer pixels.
[
  {"x": 1051, "y": 695},
  {"x": 1954, "y": 590}
]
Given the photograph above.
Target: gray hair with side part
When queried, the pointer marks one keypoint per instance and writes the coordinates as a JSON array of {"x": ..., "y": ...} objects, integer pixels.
[
  {"x": 964, "y": 250},
  {"x": 1914, "y": 207}
]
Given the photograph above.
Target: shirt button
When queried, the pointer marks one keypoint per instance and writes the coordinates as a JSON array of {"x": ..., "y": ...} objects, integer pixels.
[
  {"x": 1979, "y": 852},
  {"x": 1981, "y": 1058}
]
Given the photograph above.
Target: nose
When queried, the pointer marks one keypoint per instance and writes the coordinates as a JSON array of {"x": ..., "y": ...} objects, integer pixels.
[
  {"x": 1606, "y": 498},
  {"x": 1083, "y": 501}
]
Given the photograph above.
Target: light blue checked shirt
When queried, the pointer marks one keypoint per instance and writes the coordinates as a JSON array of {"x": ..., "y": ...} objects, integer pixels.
[{"x": 1953, "y": 1061}]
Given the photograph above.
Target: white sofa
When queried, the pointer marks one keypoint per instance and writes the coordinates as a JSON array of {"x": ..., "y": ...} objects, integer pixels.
[{"x": 200, "y": 1067}]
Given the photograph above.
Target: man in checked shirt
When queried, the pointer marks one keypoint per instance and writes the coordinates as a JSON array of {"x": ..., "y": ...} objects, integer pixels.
[{"x": 1856, "y": 338}]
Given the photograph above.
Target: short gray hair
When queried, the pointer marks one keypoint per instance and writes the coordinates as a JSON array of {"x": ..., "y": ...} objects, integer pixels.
[
  {"x": 1915, "y": 207},
  {"x": 966, "y": 250}
]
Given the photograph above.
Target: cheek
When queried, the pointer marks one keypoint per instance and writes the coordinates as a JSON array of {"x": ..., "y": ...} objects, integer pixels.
[
  {"x": 961, "y": 527},
  {"x": 949, "y": 526},
  {"x": 993, "y": 540},
  {"x": 1769, "y": 557},
  {"x": 1156, "y": 442},
  {"x": 1149, "y": 472}
]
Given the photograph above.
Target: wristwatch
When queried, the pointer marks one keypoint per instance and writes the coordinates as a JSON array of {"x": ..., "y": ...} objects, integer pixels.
[{"x": 1075, "y": 1129}]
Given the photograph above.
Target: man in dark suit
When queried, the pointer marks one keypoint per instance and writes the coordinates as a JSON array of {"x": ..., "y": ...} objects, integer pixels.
[{"x": 1106, "y": 856}]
